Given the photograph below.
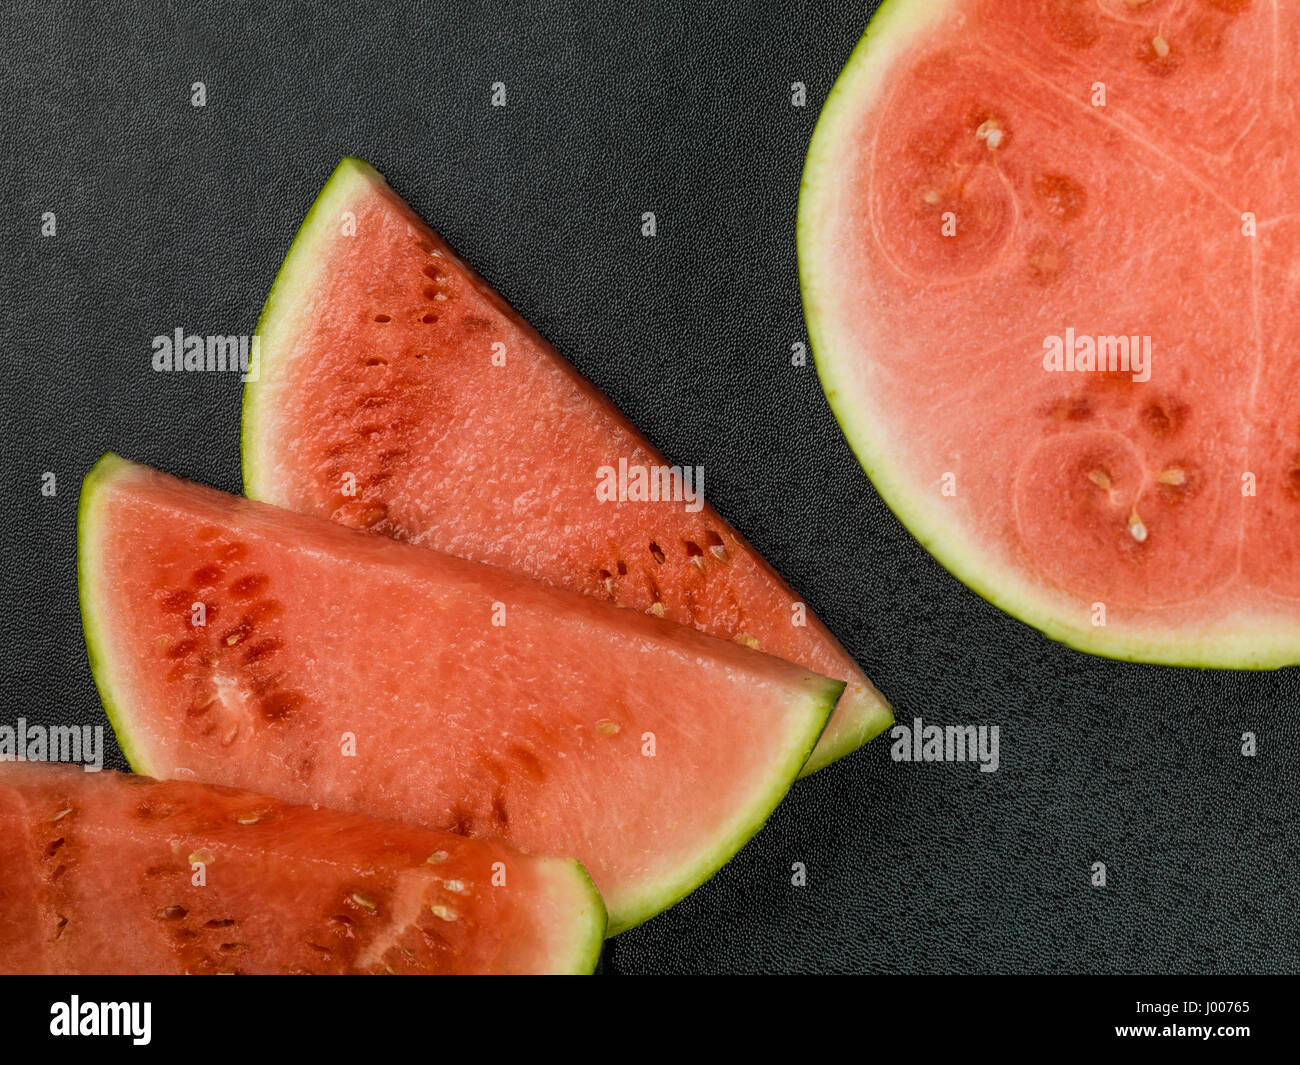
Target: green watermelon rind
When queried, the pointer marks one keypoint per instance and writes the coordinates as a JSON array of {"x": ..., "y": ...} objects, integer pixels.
[
  {"x": 591, "y": 940},
  {"x": 896, "y": 25},
  {"x": 92, "y": 623},
  {"x": 588, "y": 943},
  {"x": 819, "y": 705},
  {"x": 296, "y": 276}
]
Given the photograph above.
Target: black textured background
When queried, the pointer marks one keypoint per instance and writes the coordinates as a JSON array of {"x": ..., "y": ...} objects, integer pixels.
[{"x": 171, "y": 215}]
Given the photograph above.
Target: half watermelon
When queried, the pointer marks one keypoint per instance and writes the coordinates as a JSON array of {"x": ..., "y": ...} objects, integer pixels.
[
  {"x": 399, "y": 393},
  {"x": 114, "y": 873},
  {"x": 248, "y": 645},
  {"x": 1048, "y": 253}
]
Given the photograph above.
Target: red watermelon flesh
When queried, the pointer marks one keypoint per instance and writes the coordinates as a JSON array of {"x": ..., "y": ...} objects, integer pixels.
[
  {"x": 114, "y": 873},
  {"x": 334, "y": 666},
  {"x": 400, "y": 394},
  {"x": 993, "y": 178}
]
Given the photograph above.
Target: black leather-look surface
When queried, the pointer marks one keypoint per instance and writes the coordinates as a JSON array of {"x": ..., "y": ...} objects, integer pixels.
[{"x": 170, "y": 215}]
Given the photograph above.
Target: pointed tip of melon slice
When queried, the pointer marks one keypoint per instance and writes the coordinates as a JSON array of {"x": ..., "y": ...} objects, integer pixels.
[
  {"x": 860, "y": 716},
  {"x": 276, "y": 323},
  {"x": 355, "y": 165}
]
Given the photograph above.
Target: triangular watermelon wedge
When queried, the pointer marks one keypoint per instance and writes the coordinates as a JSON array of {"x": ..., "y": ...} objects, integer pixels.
[
  {"x": 243, "y": 644},
  {"x": 398, "y": 392},
  {"x": 114, "y": 873}
]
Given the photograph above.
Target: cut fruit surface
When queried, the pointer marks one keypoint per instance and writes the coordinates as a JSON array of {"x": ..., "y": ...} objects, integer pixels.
[
  {"x": 1048, "y": 254},
  {"x": 257, "y": 647},
  {"x": 398, "y": 393},
  {"x": 115, "y": 873}
]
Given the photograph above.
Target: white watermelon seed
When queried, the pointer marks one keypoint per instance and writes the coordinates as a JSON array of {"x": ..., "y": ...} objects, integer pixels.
[{"x": 990, "y": 133}]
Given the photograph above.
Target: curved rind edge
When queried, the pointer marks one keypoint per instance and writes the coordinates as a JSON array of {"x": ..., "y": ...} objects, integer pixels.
[
  {"x": 1265, "y": 646},
  {"x": 817, "y": 709},
  {"x": 107, "y": 468},
  {"x": 296, "y": 274},
  {"x": 590, "y": 941}
]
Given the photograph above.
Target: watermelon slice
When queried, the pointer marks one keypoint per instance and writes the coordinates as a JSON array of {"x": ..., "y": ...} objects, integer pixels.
[
  {"x": 1006, "y": 205},
  {"x": 257, "y": 647},
  {"x": 114, "y": 873},
  {"x": 399, "y": 393}
]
